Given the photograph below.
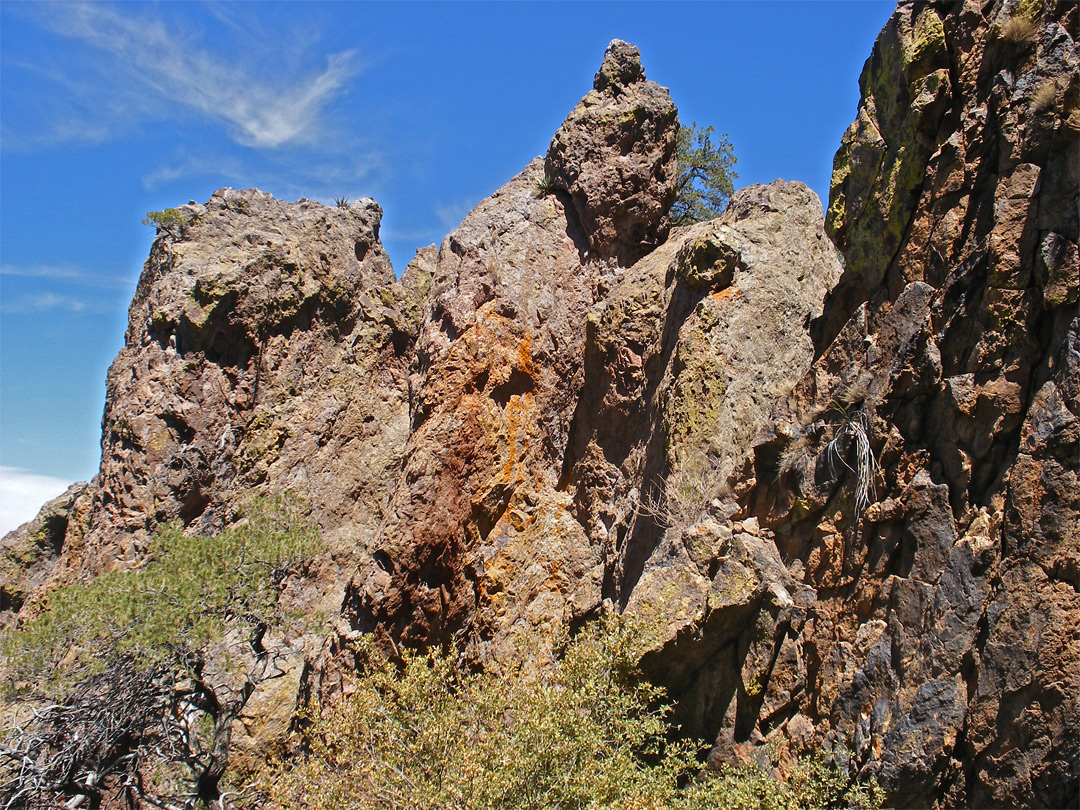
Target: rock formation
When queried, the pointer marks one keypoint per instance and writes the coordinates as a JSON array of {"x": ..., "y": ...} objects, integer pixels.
[
  {"x": 836, "y": 483},
  {"x": 498, "y": 375},
  {"x": 267, "y": 346},
  {"x": 940, "y": 633}
]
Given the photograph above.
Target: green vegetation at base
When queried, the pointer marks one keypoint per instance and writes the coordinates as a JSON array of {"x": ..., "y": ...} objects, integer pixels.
[
  {"x": 150, "y": 665},
  {"x": 706, "y": 177},
  {"x": 584, "y": 731}
]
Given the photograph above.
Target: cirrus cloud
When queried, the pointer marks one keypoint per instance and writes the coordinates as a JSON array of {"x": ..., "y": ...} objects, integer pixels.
[{"x": 148, "y": 67}]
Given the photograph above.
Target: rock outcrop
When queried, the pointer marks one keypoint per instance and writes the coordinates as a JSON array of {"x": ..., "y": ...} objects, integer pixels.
[
  {"x": 837, "y": 484},
  {"x": 935, "y": 626},
  {"x": 498, "y": 375},
  {"x": 28, "y": 555},
  {"x": 267, "y": 347},
  {"x": 267, "y": 350},
  {"x": 615, "y": 156}
]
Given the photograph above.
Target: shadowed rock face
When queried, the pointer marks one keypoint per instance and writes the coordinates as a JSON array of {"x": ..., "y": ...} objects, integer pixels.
[
  {"x": 568, "y": 407},
  {"x": 937, "y": 635},
  {"x": 683, "y": 362}
]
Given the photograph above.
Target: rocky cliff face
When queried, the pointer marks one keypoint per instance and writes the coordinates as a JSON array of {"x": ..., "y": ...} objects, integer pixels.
[
  {"x": 267, "y": 350},
  {"x": 938, "y": 632},
  {"x": 480, "y": 536},
  {"x": 267, "y": 347},
  {"x": 840, "y": 493}
]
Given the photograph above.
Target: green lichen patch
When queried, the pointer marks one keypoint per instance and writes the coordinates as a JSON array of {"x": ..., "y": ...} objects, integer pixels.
[
  {"x": 263, "y": 439},
  {"x": 928, "y": 48}
]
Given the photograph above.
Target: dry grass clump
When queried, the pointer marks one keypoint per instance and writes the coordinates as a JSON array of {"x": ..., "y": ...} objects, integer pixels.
[
  {"x": 1020, "y": 29},
  {"x": 798, "y": 454},
  {"x": 1043, "y": 98},
  {"x": 856, "y": 428}
]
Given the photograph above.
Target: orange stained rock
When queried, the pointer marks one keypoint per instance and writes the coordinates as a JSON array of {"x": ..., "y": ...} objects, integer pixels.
[
  {"x": 517, "y": 414},
  {"x": 524, "y": 356},
  {"x": 726, "y": 294}
]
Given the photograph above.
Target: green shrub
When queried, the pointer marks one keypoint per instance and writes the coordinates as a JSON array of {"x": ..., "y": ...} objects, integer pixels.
[
  {"x": 706, "y": 175},
  {"x": 153, "y": 663},
  {"x": 172, "y": 220},
  {"x": 188, "y": 592},
  {"x": 544, "y": 184},
  {"x": 585, "y": 732}
]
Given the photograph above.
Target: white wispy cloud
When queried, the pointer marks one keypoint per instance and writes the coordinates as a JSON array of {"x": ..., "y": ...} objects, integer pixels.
[
  {"x": 152, "y": 68},
  {"x": 232, "y": 170},
  {"x": 23, "y": 493},
  {"x": 44, "y": 302},
  {"x": 68, "y": 274},
  {"x": 61, "y": 288},
  {"x": 324, "y": 174},
  {"x": 451, "y": 214}
]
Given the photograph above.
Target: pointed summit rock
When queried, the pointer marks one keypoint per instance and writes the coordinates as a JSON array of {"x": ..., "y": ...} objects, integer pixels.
[
  {"x": 621, "y": 66},
  {"x": 615, "y": 156}
]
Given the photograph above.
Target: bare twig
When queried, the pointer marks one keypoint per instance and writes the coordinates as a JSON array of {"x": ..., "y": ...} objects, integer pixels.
[{"x": 856, "y": 428}]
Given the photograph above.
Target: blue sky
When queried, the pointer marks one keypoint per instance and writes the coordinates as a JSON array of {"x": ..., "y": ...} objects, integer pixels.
[{"x": 108, "y": 111}]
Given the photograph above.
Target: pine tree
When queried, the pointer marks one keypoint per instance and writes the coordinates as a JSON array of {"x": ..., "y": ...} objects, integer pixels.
[{"x": 705, "y": 182}]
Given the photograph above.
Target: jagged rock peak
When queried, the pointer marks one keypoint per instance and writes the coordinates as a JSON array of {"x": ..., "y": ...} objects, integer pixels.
[
  {"x": 615, "y": 156},
  {"x": 622, "y": 66},
  {"x": 265, "y": 348}
]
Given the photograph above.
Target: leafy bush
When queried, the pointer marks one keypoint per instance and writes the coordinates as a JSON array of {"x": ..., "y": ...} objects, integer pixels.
[
  {"x": 172, "y": 220},
  {"x": 127, "y": 664},
  {"x": 706, "y": 176},
  {"x": 584, "y": 732}
]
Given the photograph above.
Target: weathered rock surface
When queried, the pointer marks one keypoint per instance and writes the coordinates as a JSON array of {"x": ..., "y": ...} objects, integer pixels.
[
  {"x": 29, "y": 554},
  {"x": 479, "y": 539},
  {"x": 267, "y": 347},
  {"x": 939, "y": 630},
  {"x": 267, "y": 350},
  {"x": 615, "y": 155},
  {"x": 843, "y": 499},
  {"x": 683, "y": 362}
]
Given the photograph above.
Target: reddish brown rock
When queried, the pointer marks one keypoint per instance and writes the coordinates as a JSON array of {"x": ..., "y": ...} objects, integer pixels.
[
  {"x": 29, "y": 554},
  {"x": 267, "y": 351},
  {"x": 266, "y": 347},
  {"x": 615, "y": 156},
  {"x": 478, "y": 538}
]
